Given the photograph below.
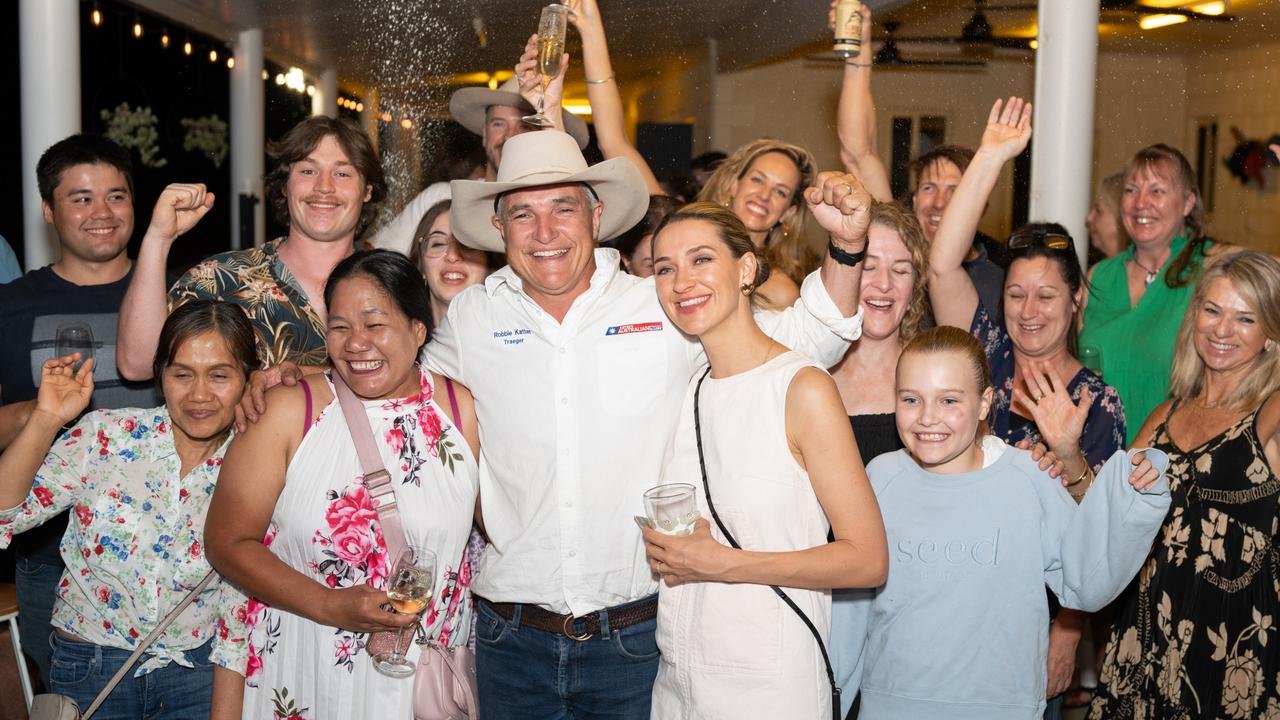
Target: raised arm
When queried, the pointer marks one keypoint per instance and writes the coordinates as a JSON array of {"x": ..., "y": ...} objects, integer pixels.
[
  {"x": 146, "y": 302},
  {"x": 64, "y": 394},
  {"x": 602, "y": 91},
  {"x": 951, "y": 291},
  {"x": 818, "y": 433},
  {"x": 827, "y": 317},
  {"x": 856, "y": 117}
]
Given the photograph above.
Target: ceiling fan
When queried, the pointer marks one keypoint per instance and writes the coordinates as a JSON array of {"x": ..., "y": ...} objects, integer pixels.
[{"x": 889, "y": 56}]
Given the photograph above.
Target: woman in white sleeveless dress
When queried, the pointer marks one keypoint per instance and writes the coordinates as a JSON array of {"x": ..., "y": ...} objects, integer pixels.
[
  {"x": 780, "y": 461},
  {"x": 293, "y": 525}
]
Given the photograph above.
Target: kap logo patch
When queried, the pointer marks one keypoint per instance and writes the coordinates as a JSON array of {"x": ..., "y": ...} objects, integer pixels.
[{"x": 633, "y": 328}]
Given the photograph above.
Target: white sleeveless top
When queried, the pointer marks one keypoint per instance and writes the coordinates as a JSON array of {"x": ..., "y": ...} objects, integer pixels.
[{"x": 735, "y": 650}]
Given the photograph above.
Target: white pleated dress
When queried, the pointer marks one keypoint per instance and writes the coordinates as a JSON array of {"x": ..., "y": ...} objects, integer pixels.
[
  {"x": 736, "y": 651},
  {"x": 326, "y": 527}
]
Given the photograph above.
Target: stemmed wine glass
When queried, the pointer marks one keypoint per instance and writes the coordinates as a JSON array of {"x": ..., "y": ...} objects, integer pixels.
[
  {"x": 73, "y": 338},
  {"x": 552, "y": 27},
  {"x": 413, "y": 581}
]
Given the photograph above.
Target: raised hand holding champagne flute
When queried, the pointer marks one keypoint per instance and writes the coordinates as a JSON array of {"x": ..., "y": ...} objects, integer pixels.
[{"x": 544, "y": 62}]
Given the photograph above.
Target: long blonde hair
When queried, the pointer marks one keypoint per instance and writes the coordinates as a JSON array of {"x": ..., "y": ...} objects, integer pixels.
[
  {"x": 1256, "y": 277},
  {"x": 785, "y": 247},
  {"x": 894, "y": 216}
]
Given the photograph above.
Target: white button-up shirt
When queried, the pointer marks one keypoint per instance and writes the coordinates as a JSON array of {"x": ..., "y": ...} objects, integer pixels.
[{"x": 575, "y": 418}]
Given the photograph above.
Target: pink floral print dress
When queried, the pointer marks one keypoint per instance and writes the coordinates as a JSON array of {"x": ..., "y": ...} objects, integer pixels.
[{"x": 326, "y": 526}]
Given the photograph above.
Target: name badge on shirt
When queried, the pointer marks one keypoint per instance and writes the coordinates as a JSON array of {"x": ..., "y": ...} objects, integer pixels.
[
  {"x": 514, "y": 336},
  {"x": 633, "y": 328}
]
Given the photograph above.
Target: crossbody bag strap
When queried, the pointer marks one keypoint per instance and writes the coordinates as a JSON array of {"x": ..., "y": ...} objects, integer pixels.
[
  {"x": 146, "y": 643},
  {"x": 706, "y": 490},
  {"x": 377, "y": 481}
]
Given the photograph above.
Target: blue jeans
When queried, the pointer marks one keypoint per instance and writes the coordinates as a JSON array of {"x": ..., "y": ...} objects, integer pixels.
[
  {"x": 1053, "y": 711},
  {"x": 81, "y": 670},
  {"x": 528, "y": 674},
  {"x": 37, "y": 585}
]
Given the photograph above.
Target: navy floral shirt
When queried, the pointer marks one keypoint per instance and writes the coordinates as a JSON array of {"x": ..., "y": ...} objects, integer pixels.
[{"x": 1104, "y": 427}]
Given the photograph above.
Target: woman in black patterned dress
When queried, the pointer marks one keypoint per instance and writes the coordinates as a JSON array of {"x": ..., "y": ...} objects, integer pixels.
[{"x": 1197, "y": 635}]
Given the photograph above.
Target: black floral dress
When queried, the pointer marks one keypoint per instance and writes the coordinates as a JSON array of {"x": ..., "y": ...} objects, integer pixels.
[{"x": 1196, "y": 636}]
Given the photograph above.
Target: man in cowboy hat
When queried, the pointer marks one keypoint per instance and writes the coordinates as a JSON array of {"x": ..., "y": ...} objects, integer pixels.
[
  {"x": 494, "y": 115},
  {"x": 578, "y": 379}
]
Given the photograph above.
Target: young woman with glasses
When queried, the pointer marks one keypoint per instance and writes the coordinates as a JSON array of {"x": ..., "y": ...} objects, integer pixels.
[{"x": 1042, "y": 392}]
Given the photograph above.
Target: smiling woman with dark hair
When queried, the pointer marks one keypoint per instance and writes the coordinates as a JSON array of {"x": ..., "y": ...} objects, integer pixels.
[
  {"x": 139, "y": 483},
  {"x": 294, "y": 525}
]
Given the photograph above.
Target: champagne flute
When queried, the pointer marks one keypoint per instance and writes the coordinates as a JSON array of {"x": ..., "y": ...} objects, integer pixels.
[
  {"x": 73, "y": 338},
  {"x": 552, "y": 27},
  {"x": 413, "y": 581}
]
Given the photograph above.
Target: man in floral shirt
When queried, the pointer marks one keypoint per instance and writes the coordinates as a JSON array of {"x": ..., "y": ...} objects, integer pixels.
[{"x": 326, "y": 186}]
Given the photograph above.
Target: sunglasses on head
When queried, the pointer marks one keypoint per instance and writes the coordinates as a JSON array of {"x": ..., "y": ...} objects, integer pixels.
[{"x": 1032, "y": 237}]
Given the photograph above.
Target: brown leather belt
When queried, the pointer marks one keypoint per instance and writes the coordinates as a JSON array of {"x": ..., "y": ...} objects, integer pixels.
[{"x": 580, "y": 628}]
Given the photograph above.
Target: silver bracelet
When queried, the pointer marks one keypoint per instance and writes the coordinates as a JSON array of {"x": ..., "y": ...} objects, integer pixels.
[{"x": 601, "y": 82}]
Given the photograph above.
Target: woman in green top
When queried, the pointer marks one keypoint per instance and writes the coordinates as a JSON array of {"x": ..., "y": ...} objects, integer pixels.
[{"x": 1138, "y": 297}]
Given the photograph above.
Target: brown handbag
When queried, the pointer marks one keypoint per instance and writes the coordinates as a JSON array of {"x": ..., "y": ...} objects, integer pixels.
[{"x": 444, "y": 684}]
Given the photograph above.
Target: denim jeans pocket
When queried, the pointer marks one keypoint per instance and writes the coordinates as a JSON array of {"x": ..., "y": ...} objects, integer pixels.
[
  {"x": 491, "y": 628},
  {"x": 69, "y": 668},
  {"x": 637, "y": 642}
]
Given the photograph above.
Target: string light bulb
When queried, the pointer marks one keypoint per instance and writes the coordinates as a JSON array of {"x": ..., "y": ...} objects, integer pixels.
[
  {"x": 164, "y": 38},
  {"x": 311, "y": 90},
  {"x": 213, "y": 56},
  {"x": 137, "y": 26},
  {"x": 231, "y": 62},
  {"x": 265, "y": 74},
  {"x": 186, "y": 46},
  {"x": 96, "y": 16},
  {"x": 359, "y": 107}
]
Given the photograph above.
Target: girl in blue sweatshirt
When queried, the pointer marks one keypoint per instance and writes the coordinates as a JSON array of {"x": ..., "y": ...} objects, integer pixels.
[{"x": 976, "y": 531}]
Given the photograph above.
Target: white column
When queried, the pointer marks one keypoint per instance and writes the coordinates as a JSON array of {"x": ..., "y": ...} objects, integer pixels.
[
  {"x": 1062, "y": 146},
  {"x": 49, "y": 70},
  {"x": 325, "y": 101},
  {"x": 248, "y": 133}
]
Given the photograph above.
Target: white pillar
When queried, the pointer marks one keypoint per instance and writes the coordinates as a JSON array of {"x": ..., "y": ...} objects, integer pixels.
[
  {"x": 1062, "y": 146},
  {"x": 325, "y": 101},
  {"x": 49, "y": 68},
  {"x": 248, "y": 133}
]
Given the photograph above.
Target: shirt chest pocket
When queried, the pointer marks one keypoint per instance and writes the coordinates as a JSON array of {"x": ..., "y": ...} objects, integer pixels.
[{"x": 632, "y": 373}]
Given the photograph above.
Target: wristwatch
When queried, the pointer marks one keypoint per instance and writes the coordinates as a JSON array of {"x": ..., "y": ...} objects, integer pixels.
[{"x": 845, "y": 258}]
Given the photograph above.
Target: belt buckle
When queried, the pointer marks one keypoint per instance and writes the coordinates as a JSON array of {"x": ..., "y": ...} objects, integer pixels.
[{"x": 567, "y": 628}]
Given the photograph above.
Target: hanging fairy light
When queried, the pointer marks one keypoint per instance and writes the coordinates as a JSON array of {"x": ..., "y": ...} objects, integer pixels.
[
  {"x": 231, "y": 62},
  {"x": 186, "y": 46},
  {"x": 96, "y": 16},
  {"x": 164, "y": 38},
  {"x": 265, "y": 75},
  {"x": 213, "y": 56}
]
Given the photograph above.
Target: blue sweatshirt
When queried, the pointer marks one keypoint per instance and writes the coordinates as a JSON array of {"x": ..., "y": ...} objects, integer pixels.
[{"x": 960, "y": 629}]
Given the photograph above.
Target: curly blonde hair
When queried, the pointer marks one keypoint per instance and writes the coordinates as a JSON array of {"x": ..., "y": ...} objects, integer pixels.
[
  {"x": 784, "y": 247},
  {"x": 896, "y": 217}
]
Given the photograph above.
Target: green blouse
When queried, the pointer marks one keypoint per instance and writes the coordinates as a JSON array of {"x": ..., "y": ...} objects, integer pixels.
[{"x": 1136, "y": 342}]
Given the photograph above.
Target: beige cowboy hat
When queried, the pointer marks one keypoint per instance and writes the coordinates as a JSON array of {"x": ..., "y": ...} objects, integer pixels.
[
  {"x": 537, "y": 159},
  {"x": 469, "y": 104}
]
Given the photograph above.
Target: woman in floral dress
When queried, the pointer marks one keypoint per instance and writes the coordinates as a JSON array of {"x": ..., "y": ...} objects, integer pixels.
[
  {"x": 1197, "y": 636},
  {"x": 294, "y": 527},
  {"x": 139, "y": 482}
]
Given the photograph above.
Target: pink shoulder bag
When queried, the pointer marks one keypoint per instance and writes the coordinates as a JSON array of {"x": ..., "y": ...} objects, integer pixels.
[{"x": 444, "y": 685}]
